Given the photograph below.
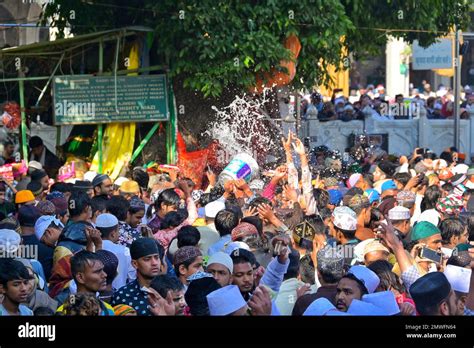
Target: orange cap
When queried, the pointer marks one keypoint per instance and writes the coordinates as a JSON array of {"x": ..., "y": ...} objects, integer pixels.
[
  {"x": 130, "y": 186},
  {"x": 24, "y": 196}
]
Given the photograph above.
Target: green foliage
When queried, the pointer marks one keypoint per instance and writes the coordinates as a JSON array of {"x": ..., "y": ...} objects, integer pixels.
[{"x": 216, "y": 43}]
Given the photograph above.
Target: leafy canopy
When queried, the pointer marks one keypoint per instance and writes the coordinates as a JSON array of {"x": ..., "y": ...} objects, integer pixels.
[{"x": 214, "y": 43}]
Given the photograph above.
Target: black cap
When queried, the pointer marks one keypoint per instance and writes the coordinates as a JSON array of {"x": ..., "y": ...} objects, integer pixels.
[
  {"x": 387, "y": 167},
  {"x": 143, "y": 247},
  {"x": 27, "y": 215},
  {"x": 430, "y": 290},
  {"x": 83, "y": 185},
  {"x": 35, "y": 142},
  {"x": 37, "y": 175},
  {"x": 35, "y": 187}
]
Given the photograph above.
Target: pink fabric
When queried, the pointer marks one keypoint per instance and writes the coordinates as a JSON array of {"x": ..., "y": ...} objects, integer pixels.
[
  {"x": 353, "y": 179},
  {"x": 165, "y": 236},
  {"x": 269, "y": 191}
]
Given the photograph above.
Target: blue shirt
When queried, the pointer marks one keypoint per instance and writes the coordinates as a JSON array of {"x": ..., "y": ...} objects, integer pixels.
[
  {"x": 24, "y": 311},
  {"x": 219, "y": 245}
]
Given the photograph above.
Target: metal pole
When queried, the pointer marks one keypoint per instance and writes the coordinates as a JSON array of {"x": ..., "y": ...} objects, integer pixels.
[
  {"x": 120, "y": 72},
  {"x": 100, "y": 127},
  {"x": 23, "y": 121},
  {"x": 144, "y": 142},
  {"x": 171, "y": 127},
  {"x": 298, "y": 114},
  {"x": 457, "y": 83}
]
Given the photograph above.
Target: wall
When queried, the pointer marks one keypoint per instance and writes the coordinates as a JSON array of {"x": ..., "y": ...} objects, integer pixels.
[{"x": 403, "y": 135}]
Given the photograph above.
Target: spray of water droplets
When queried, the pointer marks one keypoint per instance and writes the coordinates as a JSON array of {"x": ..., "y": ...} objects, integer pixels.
[{"x": 242, "y": 127}]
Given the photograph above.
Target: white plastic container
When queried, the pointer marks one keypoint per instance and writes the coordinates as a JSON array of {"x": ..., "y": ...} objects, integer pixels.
[{"x": 242, "y": 166}]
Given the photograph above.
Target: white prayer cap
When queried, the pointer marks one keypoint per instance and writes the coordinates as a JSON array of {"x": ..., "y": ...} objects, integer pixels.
[
  {"x": 385, "y": 300},
  {"x": 9, "y": 240},
  {"x": 211, "y": 209},
  {"x": 89, "y": 176},
  {"x": 430, "y": 215},
  {"x": 225, "y": 301},
  {"x": 35, "y": 165},
  {"x": 222, "y": 259},
  {"x": 120, "y": 180},
  {"x": 344, "y": 210},
  {"x": 353, "y": 179},
  {"x": 43, "y": 223},
  {"x": 399, "y": 213},
  {"x": 459, "y": 278},
  {"x": 364, "y": 309},
  {"x": 460, "y": 169},
  {"x": 229, "y": 248},
  {"x": 366, "y": 276},
  {"x": 374, "y": 245},
  {"x": 345, "y": 222},
  {"x": 106, "y": 220},
  {"x": 360, "y": 248},
  {"x": 319, "y": 307}
]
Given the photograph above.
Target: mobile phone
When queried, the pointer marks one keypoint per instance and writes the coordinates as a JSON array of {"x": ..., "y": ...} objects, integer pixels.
[
  {"x": 421, "y": 178},
  {"x": 430, "y": 254},
  {"x": 420, "y": 151}
]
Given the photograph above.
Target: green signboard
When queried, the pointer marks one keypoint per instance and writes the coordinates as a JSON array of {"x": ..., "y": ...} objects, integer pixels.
[{"x": 88, "y": 99}]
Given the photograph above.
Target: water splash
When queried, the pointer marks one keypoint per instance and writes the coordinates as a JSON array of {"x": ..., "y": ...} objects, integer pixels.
[{"x": 242, "y": 127}]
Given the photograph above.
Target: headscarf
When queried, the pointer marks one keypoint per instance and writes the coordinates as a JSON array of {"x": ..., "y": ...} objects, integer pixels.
[
  {"x": 61, "y": 276},
  {"x": 123, "y": 310}
]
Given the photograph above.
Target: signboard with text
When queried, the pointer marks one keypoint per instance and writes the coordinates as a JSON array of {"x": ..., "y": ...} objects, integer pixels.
[
  {"x": 88, "y": 99},
  {"x": 436, "y": 56}
]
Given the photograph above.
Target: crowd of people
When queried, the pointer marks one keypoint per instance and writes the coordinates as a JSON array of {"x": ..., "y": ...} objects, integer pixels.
[
  {"x": 372, "y": 102},
  {"x": 316, "y": 235}
]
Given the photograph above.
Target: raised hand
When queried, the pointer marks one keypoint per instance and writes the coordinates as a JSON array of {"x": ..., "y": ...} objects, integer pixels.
[
  {"x": 261, "y": 302},
  {"x": 287, "y": 142},
  {"x": 280, "y": 173},
  {"x": 298, "y": 146},
  {"x": 302, "y": 290},
  {"x": 159, "y": 305},
  {"x": 251, "y": 212}
]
